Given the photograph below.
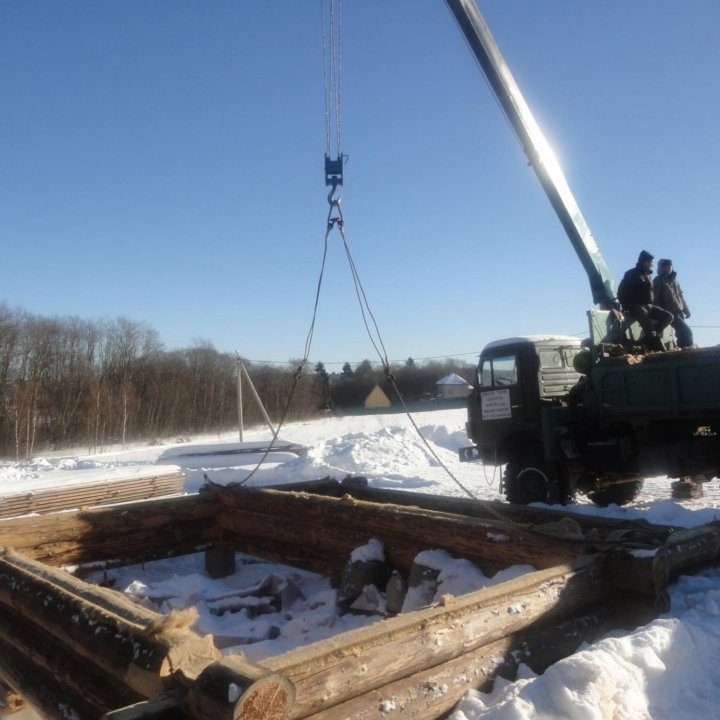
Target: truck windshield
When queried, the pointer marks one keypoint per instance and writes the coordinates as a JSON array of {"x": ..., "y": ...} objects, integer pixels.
[{"x": 498, "y": 372}]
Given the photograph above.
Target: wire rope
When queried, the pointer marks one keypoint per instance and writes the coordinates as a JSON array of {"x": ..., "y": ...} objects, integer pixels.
[
  {"x": 297, "y": 375},
  {"x": 332, "y": 72}
]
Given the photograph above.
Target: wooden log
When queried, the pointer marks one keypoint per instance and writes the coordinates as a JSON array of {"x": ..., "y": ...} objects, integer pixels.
[
  {"x": 323, "y": 549},
  {"x": 489, "y": 544},
  {"x": 105, "y": 598},
  {"x": 638, "y": 570},
  {"x": 473, "y": 508},
  {"x": 356, "y": 662},
  {"x": 234, "y": 689},
  {"x": 10, "y": 700},
  {"x": 75, "y": 675},
  {"x": 691, "y": 548},
  {"x": 321, "y": 486},
  {"x": 141, "y": 656},
  {"x": 133, "y": 532},
  {"x": 429, "y": 694},
  {"x": 166, "y": 706},
  {"x": 49, "y": 697}
]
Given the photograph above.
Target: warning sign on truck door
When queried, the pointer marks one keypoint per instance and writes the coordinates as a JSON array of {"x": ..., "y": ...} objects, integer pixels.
[{"x": 496, "y": 404}]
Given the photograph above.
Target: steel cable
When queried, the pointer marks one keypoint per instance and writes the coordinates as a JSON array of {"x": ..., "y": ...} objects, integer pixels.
[
  {"x": 332, "y": 71},
  {"x": 297, "y": 375}
]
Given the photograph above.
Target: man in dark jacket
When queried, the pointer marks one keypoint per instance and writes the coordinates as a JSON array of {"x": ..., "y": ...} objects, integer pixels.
[
  {"x": 635, "y": 293},
  {"x": 669, "y": 296}
]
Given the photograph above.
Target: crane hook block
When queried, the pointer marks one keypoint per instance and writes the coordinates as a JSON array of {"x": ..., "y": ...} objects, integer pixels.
[{"x": 334, "y": 170}]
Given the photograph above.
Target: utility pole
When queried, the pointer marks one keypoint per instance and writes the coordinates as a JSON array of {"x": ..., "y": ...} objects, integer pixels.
[{"x": 239, "y": 393}]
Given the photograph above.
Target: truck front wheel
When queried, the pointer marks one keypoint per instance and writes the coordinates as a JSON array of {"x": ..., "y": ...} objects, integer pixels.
[{"x": 533, "y": 479}]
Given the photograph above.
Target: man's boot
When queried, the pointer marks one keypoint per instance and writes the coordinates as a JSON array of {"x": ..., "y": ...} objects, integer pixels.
[{"x": 654, "y": 343}]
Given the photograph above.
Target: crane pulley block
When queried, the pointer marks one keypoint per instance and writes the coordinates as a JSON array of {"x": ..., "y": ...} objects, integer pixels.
[{"x": 334, "y": 170}]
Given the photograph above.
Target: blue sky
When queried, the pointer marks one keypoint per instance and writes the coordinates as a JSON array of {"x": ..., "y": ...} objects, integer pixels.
[{"x": 163, "y": 161}]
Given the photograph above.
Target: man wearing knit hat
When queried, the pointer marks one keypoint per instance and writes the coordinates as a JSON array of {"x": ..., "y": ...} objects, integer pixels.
[
  {"x": 635, "y": 293},
  {"x": 669, "y": 296}
]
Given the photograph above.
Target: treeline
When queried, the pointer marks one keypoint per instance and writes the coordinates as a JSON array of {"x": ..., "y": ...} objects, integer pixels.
[{"x": 67, "y": 382}]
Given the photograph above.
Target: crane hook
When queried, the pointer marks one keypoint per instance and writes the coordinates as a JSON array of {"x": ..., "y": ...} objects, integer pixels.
[
  {"x": 334, "y": 176},
  {"x": 332, "y": 200}
]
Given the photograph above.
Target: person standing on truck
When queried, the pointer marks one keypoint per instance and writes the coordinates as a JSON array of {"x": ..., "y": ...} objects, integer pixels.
[
  {"x": 635, "y": 294},
  {"x": 669, "y": 296}
]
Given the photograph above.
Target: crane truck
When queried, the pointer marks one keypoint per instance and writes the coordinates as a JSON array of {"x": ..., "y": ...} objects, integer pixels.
[{"x": 596, "y": 416}]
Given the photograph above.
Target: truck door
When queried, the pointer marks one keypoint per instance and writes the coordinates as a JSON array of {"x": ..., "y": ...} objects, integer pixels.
[{"x": 498, "y": 400}]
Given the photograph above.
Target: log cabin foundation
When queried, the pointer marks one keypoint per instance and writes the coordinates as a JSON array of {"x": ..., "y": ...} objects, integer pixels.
[{"x": 70, "y": 647}]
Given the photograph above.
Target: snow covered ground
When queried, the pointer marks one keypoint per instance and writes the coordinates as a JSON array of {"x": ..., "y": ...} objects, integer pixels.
[{"x": 666, "y": 670}]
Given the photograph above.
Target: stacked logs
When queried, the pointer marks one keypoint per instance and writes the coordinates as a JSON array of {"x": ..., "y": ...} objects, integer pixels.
[
  {"x": 73, "y": 495},
  {"x": 76, "y": 650},
  {"x": 319, "y": 533},
  {"x": 130, "y": 533},
  {"x": 69, "y": 647},
  {"x": 538, "y": 617}
]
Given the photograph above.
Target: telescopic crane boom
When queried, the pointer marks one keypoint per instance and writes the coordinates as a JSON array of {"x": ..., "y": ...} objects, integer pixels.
[{"x": 537, "y": 149}]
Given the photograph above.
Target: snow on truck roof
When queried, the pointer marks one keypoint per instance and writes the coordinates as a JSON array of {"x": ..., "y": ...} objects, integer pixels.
[{"x": 566, "y": 339}]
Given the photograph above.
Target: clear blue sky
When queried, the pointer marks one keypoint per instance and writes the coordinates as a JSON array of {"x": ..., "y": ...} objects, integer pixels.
[{"x": 163, "y": 161}]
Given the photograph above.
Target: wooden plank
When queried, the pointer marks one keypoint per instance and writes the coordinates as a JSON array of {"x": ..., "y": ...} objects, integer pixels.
[
  {"x": 95, "y": 493},
  {"x": 356, "y": 662}
]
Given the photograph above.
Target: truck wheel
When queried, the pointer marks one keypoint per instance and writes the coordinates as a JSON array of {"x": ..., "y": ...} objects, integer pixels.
[
  {"x": 533, "y": 480},
  {"x": 620, "y": 494}
]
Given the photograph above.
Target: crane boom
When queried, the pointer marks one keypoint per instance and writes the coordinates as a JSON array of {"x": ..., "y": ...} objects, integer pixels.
[{"x": 537, "y": 149}]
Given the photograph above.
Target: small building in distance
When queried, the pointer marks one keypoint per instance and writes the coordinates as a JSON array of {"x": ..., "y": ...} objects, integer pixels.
[
  {"x": 452, "y": 386},
  {"x": 377, "y": 398}
]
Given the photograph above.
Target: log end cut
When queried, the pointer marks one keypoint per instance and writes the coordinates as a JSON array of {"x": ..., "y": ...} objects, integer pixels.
[{"x": 236, "y": 690}]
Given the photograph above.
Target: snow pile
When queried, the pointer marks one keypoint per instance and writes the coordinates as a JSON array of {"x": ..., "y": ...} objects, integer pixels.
[{"x": 666, "y": 670}]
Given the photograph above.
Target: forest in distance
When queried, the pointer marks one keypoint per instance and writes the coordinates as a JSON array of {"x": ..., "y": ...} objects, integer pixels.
[{"x": 66, "y": 382}]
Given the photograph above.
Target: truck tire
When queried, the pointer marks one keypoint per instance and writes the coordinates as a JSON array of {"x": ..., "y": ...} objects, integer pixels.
[
  {"x": 620, "y": 494},
  {"x": 533, "y": 479}
]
